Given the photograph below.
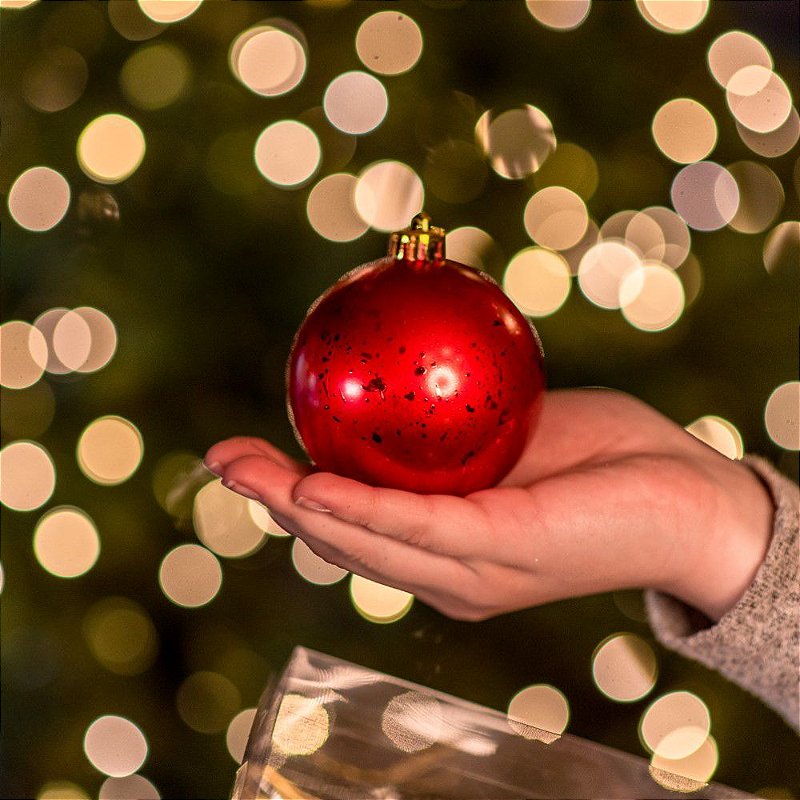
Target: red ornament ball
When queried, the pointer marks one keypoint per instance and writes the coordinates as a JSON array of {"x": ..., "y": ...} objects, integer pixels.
[{"x": 415, "y": 372}]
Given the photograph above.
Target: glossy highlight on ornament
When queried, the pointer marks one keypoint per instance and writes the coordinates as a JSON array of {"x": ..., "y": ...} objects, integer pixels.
[{"x": 415, "y": 372}]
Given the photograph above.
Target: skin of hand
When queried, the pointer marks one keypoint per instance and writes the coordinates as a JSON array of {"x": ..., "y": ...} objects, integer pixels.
[{"x": 608, "y": 494}]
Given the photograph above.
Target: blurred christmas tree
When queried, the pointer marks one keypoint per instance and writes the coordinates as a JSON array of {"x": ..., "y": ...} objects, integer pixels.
[{"x": 182, "y": 178}]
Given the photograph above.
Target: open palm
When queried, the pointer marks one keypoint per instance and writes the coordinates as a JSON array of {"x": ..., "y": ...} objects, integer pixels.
[{"x": 607, "y": 494}]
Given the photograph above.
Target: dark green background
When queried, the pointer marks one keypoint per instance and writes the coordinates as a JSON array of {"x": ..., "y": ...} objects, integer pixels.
[{"x": 207, "y": 289}]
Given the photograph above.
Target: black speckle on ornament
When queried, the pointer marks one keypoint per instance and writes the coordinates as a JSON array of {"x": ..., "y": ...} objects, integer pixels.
[{"x": 377, "y": 438}]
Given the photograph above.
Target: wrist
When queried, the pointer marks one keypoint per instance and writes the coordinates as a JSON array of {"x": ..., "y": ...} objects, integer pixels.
[{"x": 733, "y": 540}]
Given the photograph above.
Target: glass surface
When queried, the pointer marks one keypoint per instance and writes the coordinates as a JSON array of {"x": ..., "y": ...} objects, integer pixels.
[{"x": 331, "y": 729}]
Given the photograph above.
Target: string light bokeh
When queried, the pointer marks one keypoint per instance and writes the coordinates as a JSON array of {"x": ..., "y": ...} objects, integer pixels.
[{"x": 183, "y": 177}]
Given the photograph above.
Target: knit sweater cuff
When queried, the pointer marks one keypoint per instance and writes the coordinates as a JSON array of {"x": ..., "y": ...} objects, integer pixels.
[{"x": 757, "y": 643}]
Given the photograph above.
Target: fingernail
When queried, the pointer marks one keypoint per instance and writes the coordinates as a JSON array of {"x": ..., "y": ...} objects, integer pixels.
[
  {"x": 214, "y": 467},
  {"x": 312, "y": 504},
  {"x": 242, "y": 490}
]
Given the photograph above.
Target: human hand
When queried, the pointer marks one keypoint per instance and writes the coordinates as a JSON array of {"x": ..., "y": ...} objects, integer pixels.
[{"x": 608, "y": 494}]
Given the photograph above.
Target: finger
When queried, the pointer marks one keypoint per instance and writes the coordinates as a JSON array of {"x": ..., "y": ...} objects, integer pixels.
[
  {"x": 223, "y": 453},
  {"x": 347, "y": 545},
  {"x": 439, "y": 523}
]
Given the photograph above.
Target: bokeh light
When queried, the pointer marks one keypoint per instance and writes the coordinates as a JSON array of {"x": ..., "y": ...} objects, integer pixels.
[
  {"x": 207, "y": 701},
  {"x": 517, "y": 142},
  {"x": 223, "y": 522},
  {"x": 675, "y": 725},
  {"x": 17, "y": 4},
  {"x": 602, "y": 271},
  {"x": 27, "y": 476},
  {"x": 115, "y": 746},
  {"x": 474, "y": 247},
  {"x": 624, "y": 667},
  {"x": 46, "y": 323},
  {"x": 572, "y": 167},
  {"x": 60, "y": 790},
  {"x": 733, "y": 51},
  {"x": 773, "y": 144},
  {"x": 168, "y": 11},
  {"x": 267, "y": 60},
  {"x": 760, "y": 196},
  {"x": 556, "y": 218},
  {"x": 541, "y": 706},
  {"x": 130, "y": 22},
  {"x": 190, "y": 575},
  {"x": 389, "y": 42},
  {"x": 659, "y": 234},
  {"x": 155, "y": 76},
  {"x": 758, "y": 98},
  {"x": 652, "y": 298},
  {"x": 103, "y": 338},
  {"x": 23, "y": 354},
  {"x": 71, "y": 340},
  {"x": 388, "y": 195},
  {"x": 121, "y": 635},
  {"x": 111, "y": 148},
  {"x": 355, "y": 102},
  {"x": 39, "y": 199},
  {"x": 782, "y": 415},
  {"x": 238, "y": 732},
  {"x": 562, "y": 16},
  {"x": 718, "y": 433},
  {"x": 331, "y": 208},
  {"x": 673, "y": 16},
  {"x": 127, "y": 788},
  {"x": 313, "y": 568},
  {"x": 705, "y": 194},
  {"x": 538, "y": 281},
  {"x": 378, "y": 603},
  {"x": 691, "y": 274},
  {"x": 782, "y": 247},
  {"x": 110, "y": 450},
  {"x": 66, "y": 542},
  {"x": 302, "y": 725},
  {"x": 687, "y": 774},
  {"x": 287, "y": 153},
  {"x": 260, "y": 515},
  {"x": 412, "y": 721},
  {"x": 55, "y": 80},
  {"x": 684, "y": 130}
]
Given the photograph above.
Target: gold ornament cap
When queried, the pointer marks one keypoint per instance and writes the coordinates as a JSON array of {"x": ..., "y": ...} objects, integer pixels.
[{"x": 420, "y": 241}]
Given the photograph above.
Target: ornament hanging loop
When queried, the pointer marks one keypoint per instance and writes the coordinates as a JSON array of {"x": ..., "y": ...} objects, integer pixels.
[{"x": 419, "y": 242}]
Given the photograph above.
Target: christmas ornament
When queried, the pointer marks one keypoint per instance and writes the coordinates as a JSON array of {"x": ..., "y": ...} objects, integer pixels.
[{"x": 415, "y": 372}]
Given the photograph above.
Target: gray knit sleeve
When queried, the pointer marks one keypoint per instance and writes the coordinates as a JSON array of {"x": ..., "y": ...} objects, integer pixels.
[{"x": 757, "y": 643}]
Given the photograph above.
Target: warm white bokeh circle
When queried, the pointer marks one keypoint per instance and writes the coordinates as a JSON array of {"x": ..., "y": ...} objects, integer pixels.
[
  {"x": 110, "y": 450},
  {"x": 111, "y": 148},
  {"x": 331, "y": 208},
  {"x": 355, "y": 102},
  {"x": 66, "y": 542},
  {"x": 287, "y": 153},
  {"x": 377, "y": 602},
  {"x": 190, "y": 575},
  {"x": 388, "y": 195},
  {"x": 538, "y": 281},
  {"x": 782, "y": 415},
  {"x": 39, "y": 199},
  {"x": 23, "y": 354},
  {"x": 115, "y": 746},
  {"x": 389, "y": 42},
  {"x": 27, "y": 476}
]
